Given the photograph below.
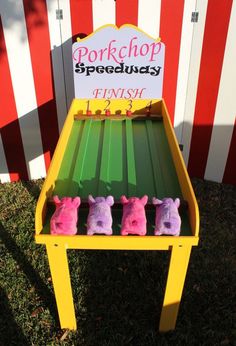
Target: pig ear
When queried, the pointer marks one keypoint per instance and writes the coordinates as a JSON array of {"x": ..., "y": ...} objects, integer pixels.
[
  {"x": 144, "y": 200},
  {"x": 91, "y": 200},
  {"x": 177, "y": 202},
  {"x": 56, "y": 199},
  {"x": 124, "y": 200},
  {"x": 76, "y": 201},
  {"x": 110, "y": 200},
  {"x": 156, "y": 201}
]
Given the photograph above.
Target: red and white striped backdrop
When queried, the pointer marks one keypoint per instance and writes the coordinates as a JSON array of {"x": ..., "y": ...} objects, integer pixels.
[{"x": 36, "y": 82}]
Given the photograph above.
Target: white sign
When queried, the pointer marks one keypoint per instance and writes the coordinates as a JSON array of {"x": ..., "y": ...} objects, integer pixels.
[{"x": 118, "y": 63}]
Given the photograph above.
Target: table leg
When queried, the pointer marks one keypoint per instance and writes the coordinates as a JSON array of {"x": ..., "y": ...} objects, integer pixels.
[
  {"x": 175, "y": 282},
  {"x": 58, "y": 263}
]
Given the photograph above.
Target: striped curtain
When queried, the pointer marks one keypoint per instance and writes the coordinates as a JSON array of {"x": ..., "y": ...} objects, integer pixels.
[{"x": 36, "y": 79}]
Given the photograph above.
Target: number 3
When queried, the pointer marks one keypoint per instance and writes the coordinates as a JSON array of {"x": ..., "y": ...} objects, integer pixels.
[{"x": 130, "y": 105}]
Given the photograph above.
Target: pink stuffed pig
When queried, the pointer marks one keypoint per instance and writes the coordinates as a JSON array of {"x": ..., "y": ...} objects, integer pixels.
[
  {"x": 64, "y": 220},
  {"x": 100, "y": 218},
  {"x": 134, "y": 217},
  {"x": 167, "y": 220}
]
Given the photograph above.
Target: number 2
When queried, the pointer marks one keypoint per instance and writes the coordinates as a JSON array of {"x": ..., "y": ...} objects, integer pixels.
[{"x": 108, "y": 104}]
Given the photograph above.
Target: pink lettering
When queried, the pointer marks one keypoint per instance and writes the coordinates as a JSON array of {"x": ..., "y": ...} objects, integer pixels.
[
  {"x": 94, "y": 54},
  {"x": 144, "y": 49},
  {"x": 102, "y": 51},
  {"x": 111, "y": 52},
  {"x": 96, "y": 92},
  {"x": 79, "y": 53},
  {"x": 129, "y": 93},
  {"x": 118, "y": 93},
  {"x": 155, "y": 49},
  {"x": 115, "y": 93},
  {"x": 104, "y": 94},
  {"x": 116, "y": 53},
  {"x": 139, "y": 93},
  {"x": 120, "y": 52},
  {"x": 122, "y": 93},
  {"x": 131, "y": 47}
]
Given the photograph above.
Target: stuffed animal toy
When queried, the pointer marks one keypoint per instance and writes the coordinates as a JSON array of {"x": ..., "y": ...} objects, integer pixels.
[
  {"x": 64, "y": 220},
  {"x": 168, "y": 220},
  {"x": 100, "y": 219},
  {"x": 134, "y": 218}
]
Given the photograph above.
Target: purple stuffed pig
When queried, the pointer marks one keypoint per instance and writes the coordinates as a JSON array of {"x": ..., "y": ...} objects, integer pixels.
[
  {"x": 134, "y": 217},
  {"x": 100, "y": 218},
  {"x": 64, "y": 220},
  {"x": 168, "y": 220}
]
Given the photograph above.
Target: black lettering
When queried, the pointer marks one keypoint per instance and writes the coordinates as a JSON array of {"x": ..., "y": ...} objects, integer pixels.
[
  {"x": 156, "y": 70},
  {"x": 109, "y": 69},
  {"x": 120, "y": 69},
  {"x": 89, "y": 70},
  {"x": 144, "y": 69},
  {"x": 135, "y": 69},
  {"x": 131, "y": 69},
  {"x": 80, "y": 68},
  {"x": 100, "y": 69}
]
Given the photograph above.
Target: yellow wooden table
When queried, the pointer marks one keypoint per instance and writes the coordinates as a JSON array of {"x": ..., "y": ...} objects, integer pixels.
[{"x": 118, "y": 154}]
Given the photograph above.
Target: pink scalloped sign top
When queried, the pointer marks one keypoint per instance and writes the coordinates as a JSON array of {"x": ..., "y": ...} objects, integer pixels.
[{"x": 120, "y": 62}]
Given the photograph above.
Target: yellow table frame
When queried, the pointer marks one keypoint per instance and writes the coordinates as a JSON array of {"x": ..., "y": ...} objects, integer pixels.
[{"x": 57, "y": 246}]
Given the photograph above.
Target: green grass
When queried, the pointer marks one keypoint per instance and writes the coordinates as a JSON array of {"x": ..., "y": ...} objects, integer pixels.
[{"x": 118, "y": 295}]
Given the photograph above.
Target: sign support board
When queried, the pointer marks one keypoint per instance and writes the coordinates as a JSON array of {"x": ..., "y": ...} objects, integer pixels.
[{"x": 122, "y": 63}]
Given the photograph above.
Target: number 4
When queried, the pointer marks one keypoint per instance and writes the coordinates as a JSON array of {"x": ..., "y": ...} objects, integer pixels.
[{"x": 149, "y": 106}]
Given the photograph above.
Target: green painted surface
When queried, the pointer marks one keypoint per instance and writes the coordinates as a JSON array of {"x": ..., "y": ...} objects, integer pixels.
[
  {"x": 168, "y": 173},
  {"x": 87, "y": 181},
  {"x": 104, "y": 177},
  {"x": 118, "y": 157},
  {"x": 130, "y": 160},
  {"x": 64, "y": 180}
]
